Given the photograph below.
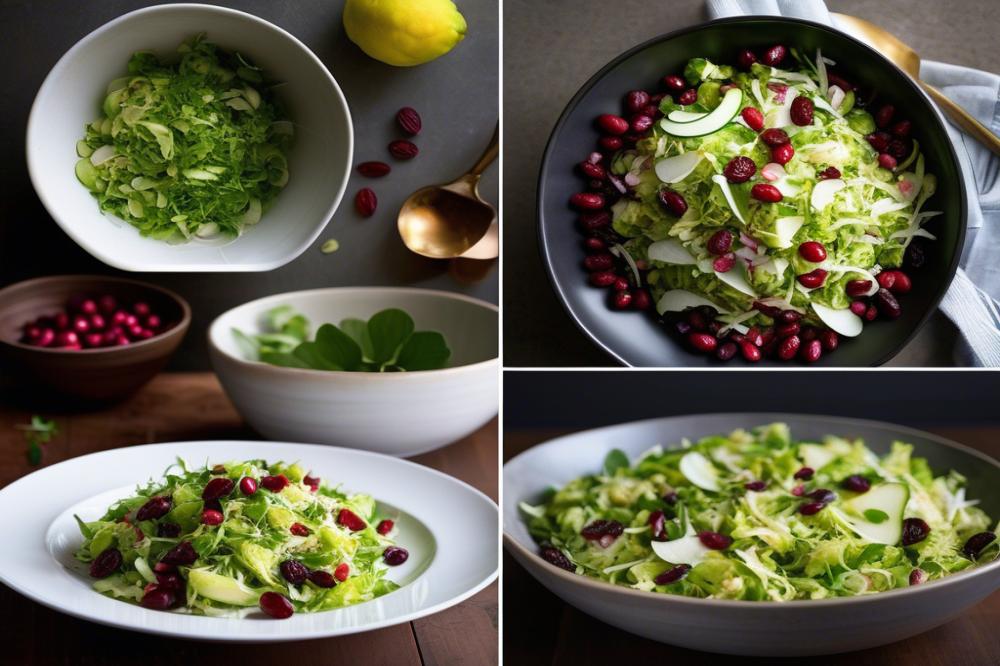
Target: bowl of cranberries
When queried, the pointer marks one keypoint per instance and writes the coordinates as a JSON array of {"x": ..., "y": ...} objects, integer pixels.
[
  {"x": 88, "y": 339},
  {"x": 755, "y": 191}
]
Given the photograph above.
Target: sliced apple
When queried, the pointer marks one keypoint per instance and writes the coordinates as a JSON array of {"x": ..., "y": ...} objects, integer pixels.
[
  {"x": 678, "y": 300},
  {"x": 816, "y": 456},
  {"x": 824, "y": 191},
  {"x": 677, "y": 168},
  {"x": 700, "y": 471},
  {"x": 685, "y": 550},
  {"x": 785, "y": 229},
  {"x": 735, "y": 279},
  {"x": 669, "y": 251},
  {"x": 877, "y": 515},
  {"x": 843, "y": 321},
  {"x": 713, "y": 121},
  {"x": 727, "y": 191},
  {"x": 682, "y": 116}
]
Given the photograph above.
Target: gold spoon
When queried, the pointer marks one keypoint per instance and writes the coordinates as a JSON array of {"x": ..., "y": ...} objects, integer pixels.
[
  {"x": 907, "y": 60},
  {"x": 449, "y": 221}
]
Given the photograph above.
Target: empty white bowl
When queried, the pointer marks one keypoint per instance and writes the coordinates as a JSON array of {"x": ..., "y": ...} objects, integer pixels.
[
  {"x": 71, "y": 96},
  {"x": 398, "y": 413}
]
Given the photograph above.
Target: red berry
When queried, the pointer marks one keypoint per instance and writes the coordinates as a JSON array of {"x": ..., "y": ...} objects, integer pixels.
[
  {"x": 621, "y": 300},
  {"x": 739, "y": 169},
  {"x": 754, "y": 118},
  {"x": 322, "y": 579},
  {"x": 587, "y": 201},
  {"x": 703, "y": 341},
  {"x": 610, "y": 144},
  {"x": 612, "y": 124},
  {"x": 813, "y": 279},
  {"x": 298, "y": 529},
  {"x": 248, "y": 486},
  {"x": 374, "y": 169},
  {"x": 812, "y": 251},
  {"x": 750, "y": 351},
  {"x": 341, "y": 572},
  {"x": 365, "y": 202},
  {"x": 725, "y": 263},
  {"x": 766, "y": 193},
  {"x": 714, "y": 540},
  {"x": 674, "y": 83},
  {"x": 402, "y": 149},
  {"x": 887, "y": 161},
  {"x": 886, "y": 279},
  {"x": 879, "y": 141},
  {"x": 859, "y": 307},
  {"x": 689, "y": 96},
  {"x": 830, "y": 340},
  {"x": 409, "y": 121},
  {"x": 903, "y": 284},
  {"x": 857, "y": 288},
  {"x": 774, "y": 55},
  {"x": 811, "y": 351},
  {"x": 884, "y": 116},
  {"x": 720, "y": 242},
  {"x": 384, "y": 527},
  {"x": 350, "y": 520},
  {"x": 620, "y": 284},
  {"x": 276, "y": 605},
  {"x": 673, "y": 202},
  {"x": 801, "y": 111},
  {"x": 218, "y": 487},
  {"x": 212, "y": 517},
  {"x": 275, "y": 483},
  {"x": 636, "y": 100},
  {"x": 901, "y": 129},
  {"x": 782, "y": 154},
  {"x": 774, "y": 137},
  {"x": 599, "y": 262},
  {"x": 640, "y": 123},
  {"x": 641, "y": 299},
  {"x": 602, "y": 279},
  {"x": 829, "y": 173},
  {"x": 745, "y": 59}
]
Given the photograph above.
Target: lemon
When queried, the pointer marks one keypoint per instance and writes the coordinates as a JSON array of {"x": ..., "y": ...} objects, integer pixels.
[{"x": 404, "y": 32}]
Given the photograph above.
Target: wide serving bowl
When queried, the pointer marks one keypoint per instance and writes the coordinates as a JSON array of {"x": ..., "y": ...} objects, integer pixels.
[
  {"x": 319, "y": 162},
  {"x": 87, "y": 376},
  {"x": 792, "y": 628},
  {"x": 638, "y": 339},
  {"x": 399, "y": 413}
]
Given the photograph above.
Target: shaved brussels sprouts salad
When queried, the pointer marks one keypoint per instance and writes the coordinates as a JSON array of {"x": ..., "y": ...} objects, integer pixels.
[
  {"x": 185, "y": 150},
  {"x": 224, "y": 539},
  {"x": 758, "y": 515},
  {"x": 763, "y": 199}
]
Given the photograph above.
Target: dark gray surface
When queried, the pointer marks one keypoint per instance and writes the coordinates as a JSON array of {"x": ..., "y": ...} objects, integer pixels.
[
  {"x": 561, "y": 43},
  {"x": 457, "y": 96}
]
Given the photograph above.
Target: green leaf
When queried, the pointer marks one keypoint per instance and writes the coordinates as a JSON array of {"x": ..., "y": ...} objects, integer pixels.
[
  {"x": 338, "y": 347},
  {"x": 84, "y": 530},
  {"x": 313, "y": 356},
  {"x": 358, "y": 330},
  {"x": 615, "y": 460},
  {"x": 284, "y": 359},
  {"x": 297, "y": 327},
  {"x": 276, "y": 318},
  {"x": 876, "y": 516},
  {"x": 388, "y": 330},
  {"x": 424, "y": 350},
  {"x": 249, "y": 347},
  {"x": 34, "y": 453}
]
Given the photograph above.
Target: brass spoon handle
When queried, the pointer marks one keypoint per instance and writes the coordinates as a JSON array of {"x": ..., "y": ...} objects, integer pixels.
[
  {"x": 488, "y": 155},
  {"x": 963, "y": 119}
]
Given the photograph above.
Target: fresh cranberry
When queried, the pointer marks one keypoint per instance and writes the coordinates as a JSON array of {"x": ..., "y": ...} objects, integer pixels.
[
  {"x": 274, "y": 483},
  {"x": 350, "y": 520},
  {"x": 774, "y": 137},
  {"x": 773, "y": 56},
  {"x": 322, "y": 579},
  {"x": 384, "y": 527},
  {"x": 813, "y": 279},
  {"x": 672, "y": 575},
  {"x": 394, "y": 556},
  {"x": 212, "y": 517},
  {"x": 789, "y": 347},
  {"x": 766, "y": 193},
  {"x": 674, "y": 83},
  {"x": 248, "y": 486},
  {"x": 753, "y": 117},
  {"x": 857, "y": 288},
  {"x": 276, "y": 605},
  {"x": 673, "y": 202},
  {"x": 782, "y": 154},
  {"x": 689, "y": 96},
  {"x": 155, "y": 508},
  {"x": 915, "y": 530},
  {"x": 612, "y": 124},
  {"x": 298, "y": 529},
  {"x": 801, "y": 111},
  {"x": 887, "y": 161},
  {"x": 218, "y": 487},
  {"x": 714, "y": 540},
  {"x": 294, "y": 572},
  {"x": 745, "y": 58},
  {"x": 739, "y": 169},
  {"x": 703, "y": 342},
  {"x": 812, "y": 251},
  {"x": 635, "y": 100},
  {"x": 106, "y": 563}
]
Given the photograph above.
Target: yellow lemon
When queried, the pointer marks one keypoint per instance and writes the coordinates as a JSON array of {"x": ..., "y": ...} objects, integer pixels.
[{"x": 404, "y": 32}]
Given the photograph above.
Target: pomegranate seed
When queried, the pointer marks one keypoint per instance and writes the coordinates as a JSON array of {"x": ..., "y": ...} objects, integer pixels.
[
  {"x": 672, "y": 575},
  {"x": 350, "y": 520},
  {"x": 977, "y": 543},
  {"x": 106, "y": 563},
  {"x": 602, "y": 279},
  {"x": 612, "y": 124},
  {"x": 599, "y": 262},
  {"x": 871, "y": 313},
  {"x": 703, "y": 341},
  {"x": 884, "y": 116},
  {"x": 689, "y": 96},
  {"x": 788, "y": 348},
  {"x": 153, "y": 322},
  {"x": 787, "y": 330},
  {"x": 856, "y": 483},
  {"x": 879, "y": 141},
  {"x": 384, "y": 527},
  {"x": 859, "y": 307},
  {"x": 774, "y": 55},
  {"x": 812, "y": 251},
  {"x": 915, "y": 530},
  {"x": 636, "y": 100},
  {"x": 218, "y": 487},
  {"x": 276, "y": 605},
  {"x": 798, "y": 490},
  {"x": 804, "y": 473},
  {"x": 212, "y": 517},
  {"x": 298, "y": 529},
  {"x": 587, "y": 201},
  {"x": 726, "y": 351},
  {"x": 774, "y": 137},
  {"x": 811, "y": 351},
  {"x": 739, "y": 169},
  {"x": 409, "y": 121},
  {"x": 610, "y": 143},
  {"x": 641, "y": 300},
  {"x": 275, "y": 483},
  {"x": 887, "y": 304},
  {"x": 674, "y": 83},
  {"x": 555, "y": 557},
  {"x": 322, "y": 579},
  {"x": 620, "y": 284},
  {"x": 901, "y": 129},
  {"x": 766, "y": 193},
  {"x": 887, "y": 161},
  {"x": 593, "y": 220},
  {"x": 342, "y": 571},
  {"x": 857, "y": 288},
  {"x": 714, "y": 540},
  {"x": 248, "y": 486},
  {"x": 394, "y": 556},
  {"x": 155, "y": 508},
  {"x": 365, "y": 202},
  {"x": 158, "y": 598},
  {"x": 591, "y": 170},
  {"x": 640, "y": 123},
  {"x": 755, "y": 486},
  {"x": 829, "y": 173},
  {"x": 168, "y": 530},
  {"x": 813, "y": 279},
  {"x": 830, "y": 340},
  {"x": 917, "y": 576},
  {"x": 725, "y": 263},
  {"x": 721, "y": 242},
  {"x": 374, "y": 169},
  {"x": 294, "y": 572},
  {"x": 802, "y": 111},
  {"x": 673, "y": 202},
  {"x": 782, "y": 154},
  {"x": 811, "y": 508},
  {"x": 621, "y": 300},
  {"x": 753, "y": 117},
  {"x": 750, "y": 351},
  {"x": 402, "y": 149},
  {"x": 745, "y": 59}
]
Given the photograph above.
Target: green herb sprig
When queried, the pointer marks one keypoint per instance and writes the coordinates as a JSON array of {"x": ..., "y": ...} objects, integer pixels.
[{"x": 39, "y": 431}]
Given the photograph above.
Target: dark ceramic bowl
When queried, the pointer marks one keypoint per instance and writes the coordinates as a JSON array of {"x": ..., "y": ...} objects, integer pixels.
[
  {"x": 88, "y": 376},
  {"x": 638, "y": 339}
]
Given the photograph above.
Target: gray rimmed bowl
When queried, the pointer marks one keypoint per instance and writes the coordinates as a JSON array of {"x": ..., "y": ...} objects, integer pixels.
[
  {"x": 786, "y": 629},
  {"x": 637, "y": 338}
]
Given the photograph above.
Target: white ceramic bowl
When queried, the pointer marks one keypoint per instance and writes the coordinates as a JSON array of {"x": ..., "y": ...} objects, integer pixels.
[
  {"x": 761, "y": 628},
  {"x": 71, "y": 96},
  {"x": 401, "y": 414}
]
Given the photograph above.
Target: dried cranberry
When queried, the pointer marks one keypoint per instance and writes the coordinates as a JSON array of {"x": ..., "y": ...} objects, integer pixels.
[
  {"x": 977, "y": 543},
  {"x": 726, "y": 351},
  {"x": 587, "y": 201},
  {"x": 409, "y": 120},
  {"x": 212, "y": 517},
  {"x": 750, "y": 351},
  {"x": 322, "y": 579},
  {"x": 183, "y": 554},
  {"x": 612, "y": 124},
  {"x": 798, "y": 490},
  {"x": 106, "y": 563},
  {"x": 603, "y": 531},
  {"x": 276, "y": 605},
  {"x": 887, "y": 303},
  {"x": 640, "y": 123},
  {"x": 899, "y": 148},
  {"x": 753, "y": 117},
  {"x": 298, "y": 529},
  {"x": 591, "y": 170},
  {"x": 901, "y": 129},
  {"x": 673, "y": 202},
  {"x": 168, "y": 530},
  {"x": 171, "y": 581},
  {"x": 599, "y": 262},
  {"x": 610, "y": 144},
  {"x": 813, "y": 279},
  {"x": 823, "y": 495},
  {"x": 158, "y": 597},
  {"x": 830, "y": 340},
  {"x": 555, "y": 557},
  {"x": 641, "y": 300},
  {"x": 773, "y": 56},
  {"x": 602, "y": 278},
  {"x": 740, "y": 169},
  {"x": 879, "y": 141},
  {"x": 774, "y": 137},
  {"x": 801, "y": 111},
  {"x": 725, "y": 263},
  {"x": 812, "y": 251},
  {"x": 365, "y": 202},
  {"x": 218, "y": 487},
  {"x": 402, "y": 149},
  {"x": 856, "y": 483},
  {"x": 902, "y": 284},
  {"x": 859, "y": 307},
  {"x": 350, "y": 520},
  {"x": 787, "y": 330},
  {"x": 274, "y": 483},
  {"x": 915, "y": 530},
  {"x": 765, "y": 193},
  {"x": 804, "y": 473},
  {"x": 916, "y": 255},
  {"x": 384, "y": 527},
  {"x": 294, "y": 572},
  {"x": 721, "y": 242},
  {"x": 887, "y": 161},
  {"x": 745, "y": 58},
  {"x": 621, "y": 299},
  {"x": 374, "y": 169},
  {"x": 755, "y": 486},
  {"x": 156, "y": 507},
  {"x": 829, "y": 173},
  {"x": 394, "y": 555},
  {"x": 884, "y": 116},
  {"x": 811, "y": 508},
  {"x": 670, "y": 498},
  {"x": 714, "y": 540},
  {"x": 594, "y": 220},
  {"x": 689, "y": 96},
  {"x": 672, "y": 575}
]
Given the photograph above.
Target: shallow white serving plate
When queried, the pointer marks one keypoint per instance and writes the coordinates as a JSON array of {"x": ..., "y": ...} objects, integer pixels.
[
  {"x": 319, "y": 162},
  {"x": 450, "y": 529}
]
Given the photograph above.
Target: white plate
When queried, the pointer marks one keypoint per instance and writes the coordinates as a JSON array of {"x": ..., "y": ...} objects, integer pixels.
[{"x": 450, "y": 529}]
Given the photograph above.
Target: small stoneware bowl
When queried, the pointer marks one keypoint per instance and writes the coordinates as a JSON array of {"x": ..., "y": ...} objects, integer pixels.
[
  {"x": 399, "y": 413},
  {"x": 762, "y": 628},
  {"x": 86, "y": 376}
]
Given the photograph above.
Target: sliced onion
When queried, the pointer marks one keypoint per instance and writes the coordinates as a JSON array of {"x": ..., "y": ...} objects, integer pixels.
[{"x": 669, "y": 251}]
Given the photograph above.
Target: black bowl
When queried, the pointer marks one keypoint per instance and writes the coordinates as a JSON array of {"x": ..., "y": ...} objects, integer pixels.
[{"x": 638, "y": 339}]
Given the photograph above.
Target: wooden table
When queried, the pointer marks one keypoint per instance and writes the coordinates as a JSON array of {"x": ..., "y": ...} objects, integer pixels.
[
  {"x": 192, "y": 406},
  {"x": 541, "y": 629}
]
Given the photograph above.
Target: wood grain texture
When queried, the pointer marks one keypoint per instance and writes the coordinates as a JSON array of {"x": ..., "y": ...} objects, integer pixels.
[
  {"x": 539, "y": 628},
  {"x": 186, "y": 406}
]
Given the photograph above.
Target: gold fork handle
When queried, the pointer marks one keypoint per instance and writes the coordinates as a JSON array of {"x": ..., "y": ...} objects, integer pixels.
[{"x": 962, "y": 118}]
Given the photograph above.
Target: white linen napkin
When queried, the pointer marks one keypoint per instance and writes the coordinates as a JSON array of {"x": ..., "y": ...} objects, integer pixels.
[{"x": 971, "y": 301}]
